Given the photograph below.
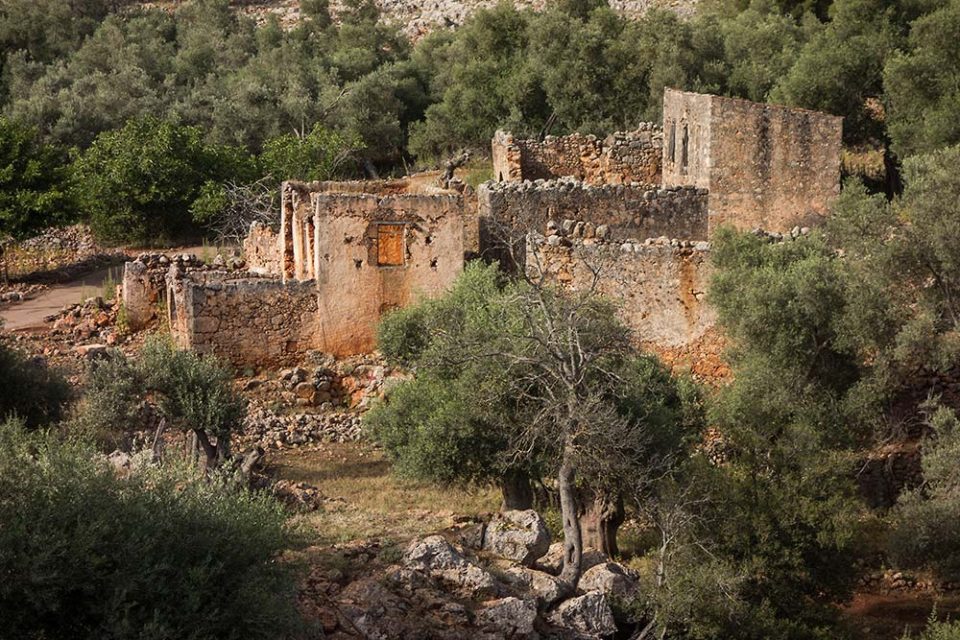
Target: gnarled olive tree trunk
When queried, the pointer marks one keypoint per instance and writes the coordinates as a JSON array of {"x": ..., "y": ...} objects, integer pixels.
[
  {"x": 572, "y": 541},
  {"x": 601, "y": 514},
  {"x": 516, "y": 490}
]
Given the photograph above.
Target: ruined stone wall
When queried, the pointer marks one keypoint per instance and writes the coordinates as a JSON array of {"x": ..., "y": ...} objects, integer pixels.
[
  {"x": 620, "y": 158},
  {"x": 247, "y": 321},
  {"x": 369, "y": 253},
  {"x": 659, "y": 285},
  {"x": 629, "y": 211},
  {"x": 686, "y": 138},
  {"x": 262, "y": 250},
  {"x": 765, "y": 166},
  {"x": 144, "y": 285}
]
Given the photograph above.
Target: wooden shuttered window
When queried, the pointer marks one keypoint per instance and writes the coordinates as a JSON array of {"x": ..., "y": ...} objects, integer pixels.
[{"x": 390, "y": 245}]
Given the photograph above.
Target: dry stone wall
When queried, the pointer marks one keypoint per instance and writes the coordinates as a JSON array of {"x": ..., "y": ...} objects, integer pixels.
[
  {"x": 627, "y": 211},
  {"x": 621, "y": 158},
  {"x": 660, "y": 284},
  {"x": 247, "y": 321}
]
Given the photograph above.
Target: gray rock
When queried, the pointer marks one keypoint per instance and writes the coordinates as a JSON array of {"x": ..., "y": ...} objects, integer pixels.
[
  {"x": 509, "y": 617},
  {"x": 609, "y": 578},
  {"x": 521, "y": 536},
  {"x": 588, "y": 615},
  {"x": 437, "y": 557},
  {"x": 544, "y": 586}
]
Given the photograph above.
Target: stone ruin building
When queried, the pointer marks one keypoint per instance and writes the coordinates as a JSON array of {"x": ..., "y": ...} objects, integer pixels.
[{"x": 645, "y": 202}]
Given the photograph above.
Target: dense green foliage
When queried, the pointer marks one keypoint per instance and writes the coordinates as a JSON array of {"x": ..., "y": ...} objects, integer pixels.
[
  {"x": 32, "y": 392},
  {"x": 138, "y": 183},
  {"x": 925, "y": 535},
  {"x": 33, "y": 190},
  {"x": 467, "y": 415},
  {"x": 75, "y": 72},
  {"x": 86, "y": 553}
]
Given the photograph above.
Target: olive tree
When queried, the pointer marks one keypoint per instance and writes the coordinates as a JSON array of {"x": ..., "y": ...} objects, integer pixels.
[{"x": 513, "y": 376}]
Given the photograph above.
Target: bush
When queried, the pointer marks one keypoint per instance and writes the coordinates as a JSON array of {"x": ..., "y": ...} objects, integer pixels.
[
  {"x": 924, "y": 533},
  {"x": 138, "y": 183},
  {"x": 195, "y": 392},
  {"x": 32, "y": 391},
  {"x": 87, "y": 554},
  {"x": 33, "y": 190},
  {"x": 315, "y": 156},
  {"x": 111, "y": 401}
]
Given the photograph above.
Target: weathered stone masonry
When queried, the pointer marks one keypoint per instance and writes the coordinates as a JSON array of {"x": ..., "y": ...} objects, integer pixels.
[
  {"x": 765, "y": 166},
  {"x": 346, "y": 254},
  {"x": 620, "y": 158},
  {"x": 248, "y": 321},
  {"x": 631, "y": 211},
  {"x": 643, "y": 203},
  {"x": 659, "y": 285}
]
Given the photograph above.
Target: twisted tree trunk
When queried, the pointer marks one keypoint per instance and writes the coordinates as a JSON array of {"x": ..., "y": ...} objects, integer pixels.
[
  {"x": 601, "y": 515},
  {"x": 572, "y": 541},
  {"x": 516, "y": 490}
]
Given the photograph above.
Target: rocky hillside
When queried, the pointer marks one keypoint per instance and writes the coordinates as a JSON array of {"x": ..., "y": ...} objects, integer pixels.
[{"x": 419, "y": 17}]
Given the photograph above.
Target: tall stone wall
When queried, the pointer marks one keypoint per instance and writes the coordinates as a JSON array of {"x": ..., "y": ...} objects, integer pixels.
[
  {"x": 629, "y": 211},
  {"x": 620, "y": 158},
  {"x": 247, "y": 321},
  {"x": 369, "y": 253},
  {"x": 765, "y": 166},
  {"x": 659, "y": 286}
]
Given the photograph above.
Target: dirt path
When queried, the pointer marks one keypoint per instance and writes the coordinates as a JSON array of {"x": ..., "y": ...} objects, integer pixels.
[{"x": 30, "y": 313}]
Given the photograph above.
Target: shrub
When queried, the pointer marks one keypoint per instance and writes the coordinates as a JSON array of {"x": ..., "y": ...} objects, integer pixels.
[
  {"x": 138, "y": 183},
  {"x": 160, "y": 554},
  {"x": 111, "y": 400},
  {"x": 32, "y": 182},
  {"x": 32, "y": 391},
  {"x": 196, "y": 394}
]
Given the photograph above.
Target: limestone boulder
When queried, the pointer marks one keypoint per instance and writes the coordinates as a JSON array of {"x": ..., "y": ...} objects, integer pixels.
[
  {"x": 543, "y": 586},
  {"x": 508, "y": 617},
  {"x": 588, "y": 616},
  {"x": 610, "y": 578},
  {"x": 552, "y": 561},
  {"x": 521, "y": 536},
  {"x": 437, "y": 557}
]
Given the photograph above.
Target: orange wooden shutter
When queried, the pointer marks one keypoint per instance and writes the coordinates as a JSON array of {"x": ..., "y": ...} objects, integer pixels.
[{"x": 390, "y": 245}]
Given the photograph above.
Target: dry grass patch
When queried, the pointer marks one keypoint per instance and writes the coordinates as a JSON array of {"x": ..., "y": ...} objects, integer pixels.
[{"x": 370, "y": 501}]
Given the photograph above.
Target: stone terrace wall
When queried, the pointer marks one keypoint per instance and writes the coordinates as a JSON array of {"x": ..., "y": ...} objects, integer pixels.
[
  {"x": 630, "y": 211},
  {"x": 247, "y": 321},
  {"x": 262, "y": 250},
  {"x": 621, "y": 158},
  {"x": 659, "y": 284}
]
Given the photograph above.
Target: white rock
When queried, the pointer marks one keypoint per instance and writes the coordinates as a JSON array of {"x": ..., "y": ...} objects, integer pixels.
[
  {"x": 588, "y": 615},
  {"x": 521, "y": 536},
  {"x": 511, "y": 617}
]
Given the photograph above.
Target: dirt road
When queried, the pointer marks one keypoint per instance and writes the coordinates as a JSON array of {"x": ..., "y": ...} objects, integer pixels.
[{"x": 30, "y": 313}]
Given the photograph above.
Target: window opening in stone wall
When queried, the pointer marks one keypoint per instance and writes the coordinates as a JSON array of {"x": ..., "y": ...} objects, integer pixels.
[
  {"x": 672, "y": 145},
  {"x": 683, "y": 150},
  {"x": 390, "y": 250}
]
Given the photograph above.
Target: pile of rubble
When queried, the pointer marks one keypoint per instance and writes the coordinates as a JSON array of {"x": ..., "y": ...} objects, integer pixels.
[
  {"x": 92, "y": 319},
  {"x": 493, "y": 581},
  {"x": 271, "y": 431}
]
